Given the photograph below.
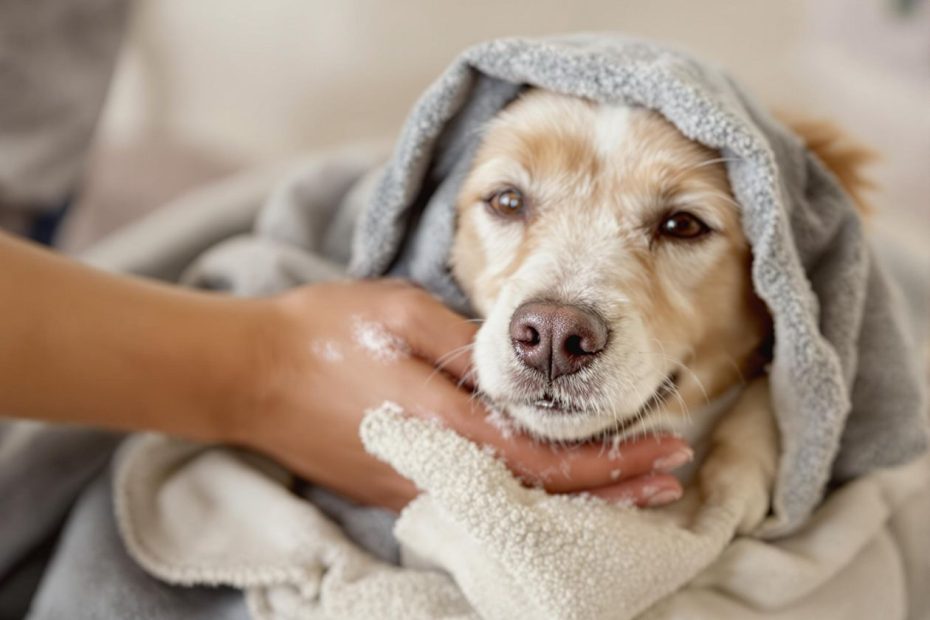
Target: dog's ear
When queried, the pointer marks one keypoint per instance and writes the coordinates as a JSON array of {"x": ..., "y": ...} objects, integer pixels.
[{"x": 846, "y": 158}]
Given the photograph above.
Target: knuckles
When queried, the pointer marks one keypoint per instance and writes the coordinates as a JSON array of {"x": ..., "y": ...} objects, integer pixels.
[{"x": 406, "y": 307}]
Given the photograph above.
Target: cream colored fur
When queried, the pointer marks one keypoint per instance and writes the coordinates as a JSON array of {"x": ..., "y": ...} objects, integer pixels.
[{"x": 597, "y": 179}]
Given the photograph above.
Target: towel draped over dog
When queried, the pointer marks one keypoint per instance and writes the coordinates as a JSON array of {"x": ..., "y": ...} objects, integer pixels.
[{"x": 847, "y": 394}]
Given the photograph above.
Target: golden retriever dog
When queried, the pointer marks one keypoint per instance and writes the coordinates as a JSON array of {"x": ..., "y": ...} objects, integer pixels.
[{"x": 605, "y": 253}]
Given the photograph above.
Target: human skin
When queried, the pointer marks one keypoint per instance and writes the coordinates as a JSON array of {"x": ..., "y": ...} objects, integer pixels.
[{"x": 287, "y": 376}]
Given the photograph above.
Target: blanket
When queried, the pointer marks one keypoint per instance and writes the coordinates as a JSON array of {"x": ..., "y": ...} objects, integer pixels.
[{"x": 848, "y": 399}]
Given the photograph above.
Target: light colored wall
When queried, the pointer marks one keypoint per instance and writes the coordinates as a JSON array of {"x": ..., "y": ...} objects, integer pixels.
[
  {"x": 262, "y": 79},
  {"x": 209, "y": 86}
]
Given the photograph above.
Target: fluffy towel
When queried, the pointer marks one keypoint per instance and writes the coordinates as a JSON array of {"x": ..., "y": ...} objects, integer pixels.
[
  {"x": 189, "y": 515},
  {"x": 194, "y": 515}
]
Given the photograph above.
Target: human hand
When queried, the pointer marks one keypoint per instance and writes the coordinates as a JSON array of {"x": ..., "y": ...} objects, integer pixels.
[{"x": 329, "y": 352}]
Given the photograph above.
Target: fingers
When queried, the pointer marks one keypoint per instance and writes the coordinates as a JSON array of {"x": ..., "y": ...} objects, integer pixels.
[
  {"x": 588, "y": 466},
  {"x": 415, "y": 385},
  {"x": 394, "y": 493},
  {"x": 649, "y": 491},
  {"x": 571, "y": 469},
  {"x": 435, "y": 333},
  {"x": 558, "y": 469}
]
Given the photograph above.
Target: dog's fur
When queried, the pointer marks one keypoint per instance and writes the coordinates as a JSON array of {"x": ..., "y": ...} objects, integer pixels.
[{"x": 684, "y": 324}]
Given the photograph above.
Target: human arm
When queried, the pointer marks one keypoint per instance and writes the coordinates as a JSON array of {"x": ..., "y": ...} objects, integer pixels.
[{"x": 290, "y": 376}]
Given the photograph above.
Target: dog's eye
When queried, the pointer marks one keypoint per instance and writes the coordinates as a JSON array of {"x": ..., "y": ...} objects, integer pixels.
[
  {"x": 683, "y": 225},
  {"x": 509, "y": 201}
]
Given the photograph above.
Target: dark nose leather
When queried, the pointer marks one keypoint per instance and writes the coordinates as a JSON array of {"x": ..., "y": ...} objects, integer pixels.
[{"x": 556, "y": 339}]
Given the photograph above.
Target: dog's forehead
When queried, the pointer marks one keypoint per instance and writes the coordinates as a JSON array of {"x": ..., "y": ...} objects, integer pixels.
[{"x": 558, "y": 136}]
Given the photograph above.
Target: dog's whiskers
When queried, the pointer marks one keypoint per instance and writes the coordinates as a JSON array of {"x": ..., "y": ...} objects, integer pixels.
[
  {"x": 739, "y": 371},
  {"x": 454, "y": 353},
  {"x": 441, "y": 361}
]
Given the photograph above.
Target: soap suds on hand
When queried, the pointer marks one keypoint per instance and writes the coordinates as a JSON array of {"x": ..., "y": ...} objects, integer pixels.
[
  {"x": 327, "y": 351},
  {"x": 501, "y": 421},
  {"x": 546, "y": 476},
  {"x": 627, "y": 500},
  {"x": 614, "y": 453},
  {"x": 378, "y": 341}
]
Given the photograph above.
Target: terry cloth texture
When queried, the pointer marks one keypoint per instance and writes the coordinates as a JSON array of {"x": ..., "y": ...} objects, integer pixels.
[{"x": 476, "y": 543}]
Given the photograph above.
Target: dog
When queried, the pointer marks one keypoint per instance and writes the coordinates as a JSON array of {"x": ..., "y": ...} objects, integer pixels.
[{"x": 605, "y": 254}]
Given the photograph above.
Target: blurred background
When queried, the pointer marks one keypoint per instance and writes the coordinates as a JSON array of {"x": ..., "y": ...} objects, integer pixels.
[{"x": 210, "y": 88}]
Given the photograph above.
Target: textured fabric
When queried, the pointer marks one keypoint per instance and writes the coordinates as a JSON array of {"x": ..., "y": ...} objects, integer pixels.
[
  {"x": 43, "y": 470},
  {"x": 197, "y": 515},
  {"x": 92, "y": 577},
  {"x": 194, "y": 515}
]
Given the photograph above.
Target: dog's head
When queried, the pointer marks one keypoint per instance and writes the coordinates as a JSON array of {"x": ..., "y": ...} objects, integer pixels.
[{"x": 605, "y": 252}]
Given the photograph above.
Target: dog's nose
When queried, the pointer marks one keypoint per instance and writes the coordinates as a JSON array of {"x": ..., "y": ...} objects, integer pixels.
[{"x": 556, "y": 339}]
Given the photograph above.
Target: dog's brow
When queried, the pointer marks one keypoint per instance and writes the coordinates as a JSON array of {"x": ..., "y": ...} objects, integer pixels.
[{"x": 502, "y": 169}]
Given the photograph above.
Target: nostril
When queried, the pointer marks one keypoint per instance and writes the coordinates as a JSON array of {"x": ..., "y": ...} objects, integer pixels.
[
  {"x": 533, "y": 335},
  {"x": 574, "y": 345},
  {"x": 527, "y": 334},
  {"x": 581, "y": 346}
]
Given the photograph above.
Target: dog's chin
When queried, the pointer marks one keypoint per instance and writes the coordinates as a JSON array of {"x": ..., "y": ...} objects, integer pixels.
[
  {"x": 556, "y": 421},
  {"x": 558, "y": 425}
]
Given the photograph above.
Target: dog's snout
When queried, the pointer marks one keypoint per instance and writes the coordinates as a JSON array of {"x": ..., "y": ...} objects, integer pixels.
[{"x": 556, "y": 339}]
